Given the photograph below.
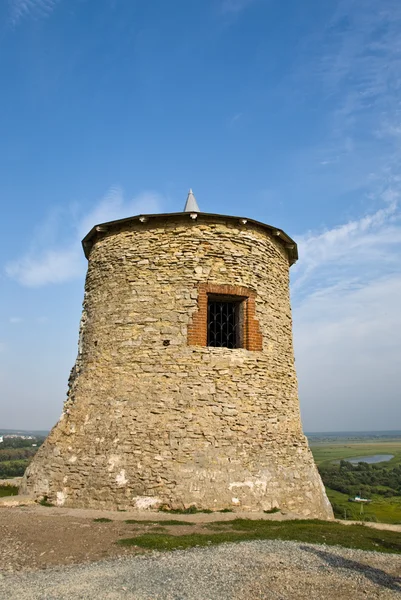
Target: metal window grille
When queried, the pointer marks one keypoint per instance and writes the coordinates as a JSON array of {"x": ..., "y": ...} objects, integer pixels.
[{"x": 223, "y": 324}]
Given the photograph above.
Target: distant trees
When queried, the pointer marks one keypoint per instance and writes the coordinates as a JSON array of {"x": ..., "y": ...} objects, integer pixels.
[
  {"x": 16, "y": 454},
  {"x": 12, "y": 468},
  {"x": 362, "y": 478},
  {"x": 17, "y": 442}
]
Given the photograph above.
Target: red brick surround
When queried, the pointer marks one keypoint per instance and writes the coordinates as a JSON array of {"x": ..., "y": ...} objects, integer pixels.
[{"x": 251, "y": 335}]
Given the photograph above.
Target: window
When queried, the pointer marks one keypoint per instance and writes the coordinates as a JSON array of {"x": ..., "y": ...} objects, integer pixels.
[
  {"x": 223, "y": 323},
  {"x": 225, "y": 318}
]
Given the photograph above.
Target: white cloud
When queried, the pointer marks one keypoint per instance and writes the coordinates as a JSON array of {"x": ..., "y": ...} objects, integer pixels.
[
  {"x": 15, "y": 320},
  {"x": 50, "y": 266},
  {"x": 49, "y": 261},
  {"x": 347, "y": 323},
  {"x": 20, "y": 9}
]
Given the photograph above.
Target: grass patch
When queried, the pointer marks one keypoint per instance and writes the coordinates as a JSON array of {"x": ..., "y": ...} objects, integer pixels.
[
  {"x": 226, "y": 510},
  {"x": 382, "y": 510},
  {"x": 179, "y": 542},
  {"x": 217, "y": 525},
  {"x": 271, "y": 511},
  {"x": 161, "y": 523},
  {"x": 8, "y": 490},
  {"x": 174, "y": 522},
  {"x": 308, "y": 531},
  {"x": 191, "y": 510},
  {"x": 102, "y": 520}
]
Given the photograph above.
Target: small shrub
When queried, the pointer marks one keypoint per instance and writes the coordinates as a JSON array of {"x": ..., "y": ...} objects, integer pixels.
[
  {"x": 226, "y": 510},
  {"x": 370, "y": 518},
  {"x": 271, "y": 511},
  {"x": 45, "y": 501},
  {"x": 102, "y": 520}
]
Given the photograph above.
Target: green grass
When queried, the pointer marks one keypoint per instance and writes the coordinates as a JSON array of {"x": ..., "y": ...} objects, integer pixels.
[
  {"x": 320, "y": 532},
  {"x": 8, "y": 490},
  {"x": 102, "y": 520}
]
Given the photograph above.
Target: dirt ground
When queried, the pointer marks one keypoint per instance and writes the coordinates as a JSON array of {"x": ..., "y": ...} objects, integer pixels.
[
  {"x": 37, "y": 540},
  {"x": 38, "y": 537}
]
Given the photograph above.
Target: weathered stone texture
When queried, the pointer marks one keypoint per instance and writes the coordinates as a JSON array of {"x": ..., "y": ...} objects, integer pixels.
[{"x": 148, "y": 423}]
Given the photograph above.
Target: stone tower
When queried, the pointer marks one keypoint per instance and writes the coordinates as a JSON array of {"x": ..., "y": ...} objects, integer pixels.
[{"x": 184, "y": 390}]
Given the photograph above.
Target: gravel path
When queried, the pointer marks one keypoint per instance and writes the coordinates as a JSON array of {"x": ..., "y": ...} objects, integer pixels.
[{"x": 265, "y": 570}]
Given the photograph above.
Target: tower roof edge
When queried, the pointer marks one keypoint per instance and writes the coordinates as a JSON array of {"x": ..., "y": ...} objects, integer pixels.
[{"x": 192, "y": 215}]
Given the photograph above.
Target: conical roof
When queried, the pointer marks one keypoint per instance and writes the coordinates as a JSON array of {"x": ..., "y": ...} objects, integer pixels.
[{"x": 191, "y": 204}]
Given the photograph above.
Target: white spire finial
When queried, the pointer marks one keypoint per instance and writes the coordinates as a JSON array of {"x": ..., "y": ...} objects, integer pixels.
[{"x": 191, "y": 204}]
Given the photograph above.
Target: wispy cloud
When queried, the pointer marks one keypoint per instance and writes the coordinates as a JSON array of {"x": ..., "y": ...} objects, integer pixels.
[
  {"x": 234, "y": 119},
  {"x": 358, "y": 250},
  {"x": 359, "y": 70},
  {"x": 234, "y": 6},
  {"x": 58, "y": 257},
  {"x": 20, "y": 9},
  {"x": 346, "y": 288},
  {"x": 347, "y": 322},
  {"x": 15, "y": 320}
]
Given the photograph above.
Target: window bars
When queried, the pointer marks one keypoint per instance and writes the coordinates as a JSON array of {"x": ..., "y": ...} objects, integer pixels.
[{"x": 223, "y": 324}]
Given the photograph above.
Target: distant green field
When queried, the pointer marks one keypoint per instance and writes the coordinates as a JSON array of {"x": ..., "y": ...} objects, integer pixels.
[
  {"x": 323, "y": 452},
  {"x": 381, "y": 509}
]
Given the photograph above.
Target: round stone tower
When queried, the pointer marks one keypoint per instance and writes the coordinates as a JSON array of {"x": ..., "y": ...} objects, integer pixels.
[{"x": 184, "y": 390}]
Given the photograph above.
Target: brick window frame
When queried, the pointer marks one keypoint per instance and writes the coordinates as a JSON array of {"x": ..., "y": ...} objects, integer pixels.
[{"x": 251, "y": 336}]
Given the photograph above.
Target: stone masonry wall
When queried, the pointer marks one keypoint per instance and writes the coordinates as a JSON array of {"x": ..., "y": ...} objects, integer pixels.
[{"x": 152, "y": 419}]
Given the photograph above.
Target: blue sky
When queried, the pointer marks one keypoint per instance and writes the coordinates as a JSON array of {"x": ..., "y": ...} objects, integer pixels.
[{"x": 287, "y": 112}]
